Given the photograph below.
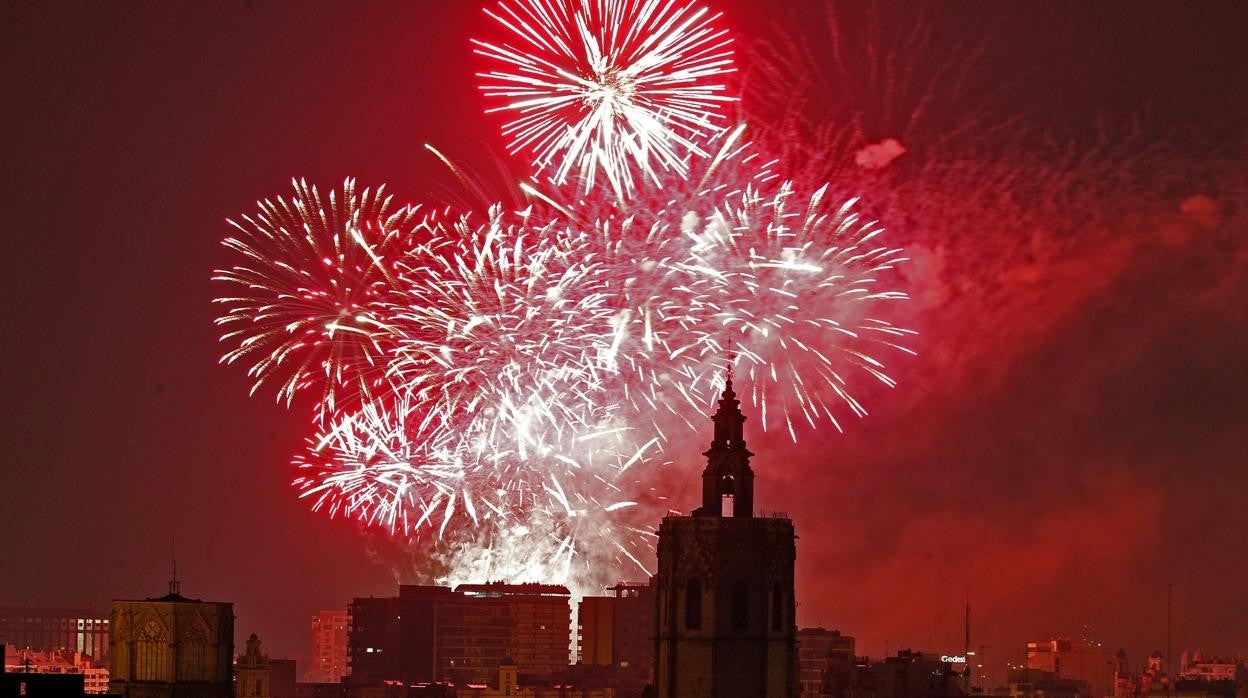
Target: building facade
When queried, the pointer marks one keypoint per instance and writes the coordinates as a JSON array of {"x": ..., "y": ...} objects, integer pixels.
[
  {"x": 529, "y": 623},
  {"x": 434, "y": 634},
  {"x": 56, "y": 630},
  {"x": 172, "y": 646},
  {"x": 328, "y": 656},
  {"x": 724, "y": 598}
]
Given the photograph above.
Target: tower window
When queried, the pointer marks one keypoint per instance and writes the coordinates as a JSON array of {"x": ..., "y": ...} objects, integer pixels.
[
  {"x": 693, "y": 604},
  {"x": 726, "y": 505},
  {"x": 740, "y": 605},
  {"x": 777, "y": 609}
]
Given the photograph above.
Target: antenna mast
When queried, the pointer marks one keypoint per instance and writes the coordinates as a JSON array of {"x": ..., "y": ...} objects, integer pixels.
[{"x": 175, "y": 587}]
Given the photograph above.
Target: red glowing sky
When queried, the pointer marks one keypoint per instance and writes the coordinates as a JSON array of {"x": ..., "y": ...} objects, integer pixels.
[{"x": 1070, "y": 439}]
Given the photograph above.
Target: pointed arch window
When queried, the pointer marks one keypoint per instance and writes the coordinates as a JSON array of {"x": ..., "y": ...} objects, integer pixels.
[
  {"x": 152, "y": 653},
  {"x": 193, "y": 656},
  {"x": 740, "y": 605},
  {"x": 693, "y": 604}
]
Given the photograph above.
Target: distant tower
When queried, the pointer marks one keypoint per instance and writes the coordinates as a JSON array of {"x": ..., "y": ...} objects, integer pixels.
[
  {"x": 252, "y": 674},
  {"x": 724, "y": 622}
]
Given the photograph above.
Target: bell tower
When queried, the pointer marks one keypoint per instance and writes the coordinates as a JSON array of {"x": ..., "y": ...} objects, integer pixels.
[
  {"x": 724, "y": 614},
  {"x": 728, "y": 481}
]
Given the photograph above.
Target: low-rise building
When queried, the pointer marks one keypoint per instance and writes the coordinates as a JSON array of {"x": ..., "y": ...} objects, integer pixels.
[
  {"x": 61, "y": 663},
  {"x": 818, "y": 651}
]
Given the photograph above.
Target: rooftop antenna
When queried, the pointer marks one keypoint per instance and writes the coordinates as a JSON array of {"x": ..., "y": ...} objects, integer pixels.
[
  {"x": 966, "y": 646},
  {"x": 174, "y": 586}
]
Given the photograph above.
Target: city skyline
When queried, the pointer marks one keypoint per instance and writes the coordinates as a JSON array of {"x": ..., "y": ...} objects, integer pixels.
[{"x": 1067, "y": 443}]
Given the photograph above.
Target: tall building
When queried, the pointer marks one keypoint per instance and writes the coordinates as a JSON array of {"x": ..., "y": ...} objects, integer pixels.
[
  {"x": 725, "y": 606},
  {"x": 419, "y": 608},
  {"x": 471, "y": 638},
  {"x": 633, "y": 636},
  {"x": 618, "y": 630},
  {"x": 373, "y": 640},
  {"x": 595, "y": 630},
  {"x": 615, "y": 640},
  {"x": 429, "y": 634},
  {"x": 536, "y": 620},
  {"x": 328, "y": 657},
  {"x": 55, "y": 630},
  {"x": 1077, "y": 660},
  {"x": 818, "y": 651},
  {"x": 172, "y": 646}
]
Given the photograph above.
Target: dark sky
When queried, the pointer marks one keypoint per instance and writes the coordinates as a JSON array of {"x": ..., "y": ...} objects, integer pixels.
[{"x": 1070, "y": 439}]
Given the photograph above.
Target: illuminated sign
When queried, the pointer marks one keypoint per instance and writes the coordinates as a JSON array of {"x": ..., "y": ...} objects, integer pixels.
[{"x": 953, "y": 658}]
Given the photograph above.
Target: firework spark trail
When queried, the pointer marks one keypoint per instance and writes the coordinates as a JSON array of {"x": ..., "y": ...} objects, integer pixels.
[
  {"x": 792, "y": 279},
  {"x": 306, "y": 304},
  {"x": 561, "y": 519},
  {"x": 619, "y": 88},
  {"x": 497, "y": 325},
  {"x": 387, "y": 466},
  {"x": 795, "y": 288}
]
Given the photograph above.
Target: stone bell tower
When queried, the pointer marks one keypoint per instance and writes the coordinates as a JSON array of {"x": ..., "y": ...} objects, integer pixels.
[{"x": 724, "y": 624}]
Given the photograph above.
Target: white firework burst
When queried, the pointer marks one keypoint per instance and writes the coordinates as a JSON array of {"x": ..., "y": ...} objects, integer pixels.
[{"x": 617, "y": 88}]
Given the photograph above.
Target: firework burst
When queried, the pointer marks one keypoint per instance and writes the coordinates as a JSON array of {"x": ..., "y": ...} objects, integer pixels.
[
  {"x": 498, "y": 324},
  {"x": 797, "y": 284},
  {"x": 388, "y": 465},
  {"x": 308, "y": 291},
  {"x": 607, "y": 88},
  {"x": 502, "y": 384}
]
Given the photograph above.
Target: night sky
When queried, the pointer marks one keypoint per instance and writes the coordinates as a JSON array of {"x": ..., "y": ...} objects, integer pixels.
[{"x": 1071, "y": 438}]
